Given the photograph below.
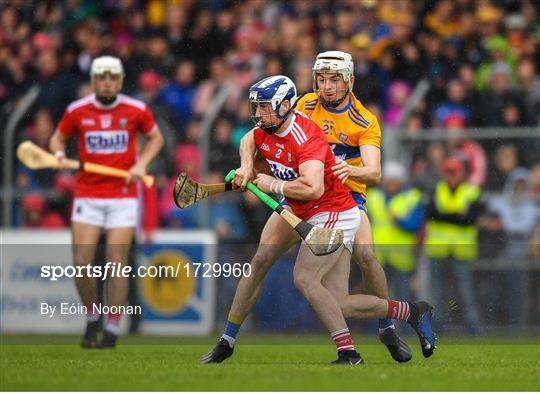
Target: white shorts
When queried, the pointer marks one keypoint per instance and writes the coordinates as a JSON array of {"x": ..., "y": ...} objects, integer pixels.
[
  {"x": 348, "y": 221},
  {"x": 105, "y": 212}
]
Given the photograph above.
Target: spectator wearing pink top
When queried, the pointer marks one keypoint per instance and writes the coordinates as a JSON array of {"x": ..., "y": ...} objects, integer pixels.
[{"x": 398, "y": 92}]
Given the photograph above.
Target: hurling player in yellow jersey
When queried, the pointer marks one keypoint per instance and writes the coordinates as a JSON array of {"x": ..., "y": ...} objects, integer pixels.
[{"x": 355, "y": 137}]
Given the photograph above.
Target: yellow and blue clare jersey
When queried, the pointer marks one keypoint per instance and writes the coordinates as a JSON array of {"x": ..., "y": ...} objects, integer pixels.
[{"x": 346, "y": 131}]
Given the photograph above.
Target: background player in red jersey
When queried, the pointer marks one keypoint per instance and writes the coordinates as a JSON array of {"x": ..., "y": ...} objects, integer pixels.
[
  {"x": 301, "y": 160},
  {"x": 106, "y": 125}
]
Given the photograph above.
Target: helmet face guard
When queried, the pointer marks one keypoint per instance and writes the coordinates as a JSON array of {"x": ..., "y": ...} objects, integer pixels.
[
  {"x": 272, "y": 91},
  {"x": 337, "y": 63},
  {"x": 265, "y": 121}
]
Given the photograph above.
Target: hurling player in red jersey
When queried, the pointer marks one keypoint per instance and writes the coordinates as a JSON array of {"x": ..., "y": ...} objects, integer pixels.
[
  {"x": 106, "y": 125},
  {"x": 300, "y": 158}
]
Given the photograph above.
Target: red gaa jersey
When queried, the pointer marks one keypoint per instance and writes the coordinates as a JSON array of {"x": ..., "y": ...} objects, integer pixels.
[
  {"x": 302, "y": 141},
  {"x": 106, "y": 135}
]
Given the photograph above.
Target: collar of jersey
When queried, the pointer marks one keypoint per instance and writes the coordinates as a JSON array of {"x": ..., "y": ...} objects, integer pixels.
[
  {"x": 288, "y": 129},
  {"x": 102, "y": 106},
  {"x": 338, "y": 111}
]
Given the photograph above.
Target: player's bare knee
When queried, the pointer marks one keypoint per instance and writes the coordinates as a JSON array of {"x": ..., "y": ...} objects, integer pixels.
[
  {"x": 80, "y": 260},
  {"x": 346, "y": 308},
  {"x": 365, "y": 257},
  {"x": 260, "y": 264},
  {"x": 303, "y": 282}
]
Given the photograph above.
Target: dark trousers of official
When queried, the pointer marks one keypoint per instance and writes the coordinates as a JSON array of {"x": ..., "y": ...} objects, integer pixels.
[
  {"x": 452, "y": 289},
  {"x": 399, "y": 283}
]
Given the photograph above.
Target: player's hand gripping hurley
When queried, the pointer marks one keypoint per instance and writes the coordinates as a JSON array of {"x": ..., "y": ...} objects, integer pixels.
[
  {"x": 36, "y": 158},
  {"x": 321, "y": 241}
]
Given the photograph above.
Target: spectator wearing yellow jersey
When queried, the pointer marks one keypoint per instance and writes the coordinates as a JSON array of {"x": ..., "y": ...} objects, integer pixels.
[
  {"x": 451, "y": 244},
  {"x": 395, "y": 210}
]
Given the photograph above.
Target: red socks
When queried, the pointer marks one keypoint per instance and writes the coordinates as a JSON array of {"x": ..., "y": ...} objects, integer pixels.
[
  {"x": 113, "y": 323},
  {"x": 399, "y": 310},
  {"x": 342, "y": 339}
]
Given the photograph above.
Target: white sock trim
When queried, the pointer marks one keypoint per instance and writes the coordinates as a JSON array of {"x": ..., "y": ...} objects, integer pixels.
[
  {"x": 92, "y": 317},
  {"x": 231, "y": 340},
  {"x": 113, "y": 328},
  {"x": 338, "y": 332}
]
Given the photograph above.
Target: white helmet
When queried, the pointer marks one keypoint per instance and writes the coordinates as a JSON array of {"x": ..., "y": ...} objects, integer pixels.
[
  {"x": 334, "y": 62},
  {"x": 103, "y": 64}
]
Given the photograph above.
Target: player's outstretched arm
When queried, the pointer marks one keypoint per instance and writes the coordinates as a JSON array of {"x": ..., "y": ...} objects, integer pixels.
[
  {"x": 154, "y": 143},
  {"x": 248, "y": 152},
  {"x": 370, "y": 171}
]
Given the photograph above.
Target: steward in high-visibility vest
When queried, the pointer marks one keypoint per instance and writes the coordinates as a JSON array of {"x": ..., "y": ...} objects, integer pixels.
[
  {"x": 451, "y": 214},
  {"x": 396, "y": 218}
]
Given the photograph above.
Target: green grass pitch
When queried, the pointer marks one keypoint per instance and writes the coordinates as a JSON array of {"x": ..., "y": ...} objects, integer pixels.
[{"x": 263, "y": 363}]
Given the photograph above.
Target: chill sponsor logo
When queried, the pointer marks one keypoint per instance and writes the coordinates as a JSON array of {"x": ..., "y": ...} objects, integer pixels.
[
  {"x": 281, "y": 171},
  {"x": 105, "y": 142}
]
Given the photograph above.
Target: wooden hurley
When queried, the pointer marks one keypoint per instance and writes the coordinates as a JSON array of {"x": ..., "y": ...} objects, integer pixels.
[{"x": 36, "y": 158}]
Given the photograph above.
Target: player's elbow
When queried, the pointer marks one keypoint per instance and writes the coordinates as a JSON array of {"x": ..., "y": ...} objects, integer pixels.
[
  {"x": 312, "y": 185},
  {"x": 158, "y": 139},
  {"x": 315, "y": 192},
  {"x": 374, "y": 176},
  {"x": 377, "y": 177}
]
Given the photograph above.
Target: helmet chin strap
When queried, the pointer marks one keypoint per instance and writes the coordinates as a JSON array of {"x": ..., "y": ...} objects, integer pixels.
[
  {"x": 334, "y": 103},
  {"x": 274, "y": 128}
]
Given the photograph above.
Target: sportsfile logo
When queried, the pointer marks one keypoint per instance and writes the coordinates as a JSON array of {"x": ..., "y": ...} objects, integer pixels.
[{"x": 106, "y": 142}]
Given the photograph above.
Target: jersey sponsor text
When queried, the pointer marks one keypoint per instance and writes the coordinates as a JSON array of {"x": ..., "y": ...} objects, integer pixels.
[{"x": 106, "y": 142}]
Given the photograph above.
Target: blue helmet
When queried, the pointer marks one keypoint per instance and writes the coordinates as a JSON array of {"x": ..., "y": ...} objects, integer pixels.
[{"x": 274, "y": 90}]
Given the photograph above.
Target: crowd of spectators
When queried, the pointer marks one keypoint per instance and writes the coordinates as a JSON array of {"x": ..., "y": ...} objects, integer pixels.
[{"x": 481, "y": 58}]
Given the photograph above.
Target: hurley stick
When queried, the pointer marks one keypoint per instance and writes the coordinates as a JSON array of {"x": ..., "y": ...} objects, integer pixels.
[{"x": 321, "y": 241}]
